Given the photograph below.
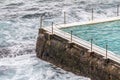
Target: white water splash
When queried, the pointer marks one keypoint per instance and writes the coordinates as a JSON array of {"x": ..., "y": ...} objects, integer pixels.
[
  {"x": 28, "y": 67},
  {"x": 19, "y": 24}
]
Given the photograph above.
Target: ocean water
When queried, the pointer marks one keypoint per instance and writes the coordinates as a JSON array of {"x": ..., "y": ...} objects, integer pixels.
[
  {"x": 19, "y": 24},
  {"x": 102, "y": 34},
  {"x": 28, "y": 67}
]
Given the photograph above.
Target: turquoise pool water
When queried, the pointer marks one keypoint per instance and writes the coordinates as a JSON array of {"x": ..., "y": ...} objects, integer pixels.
[{"x": 102, "y": 34}]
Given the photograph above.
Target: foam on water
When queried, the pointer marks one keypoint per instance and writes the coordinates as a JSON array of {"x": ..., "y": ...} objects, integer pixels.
[
  {"x": 19, "y": 24},
  {"x": 12, "y": 33},
  {"x": 28, "y": 67}
]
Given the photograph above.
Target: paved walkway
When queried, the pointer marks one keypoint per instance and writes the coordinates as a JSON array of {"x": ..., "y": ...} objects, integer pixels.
[{"x": 88, "y": 22}]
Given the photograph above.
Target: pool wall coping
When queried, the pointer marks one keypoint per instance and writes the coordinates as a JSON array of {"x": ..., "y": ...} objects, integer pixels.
[{"x": 88, "y": 22}]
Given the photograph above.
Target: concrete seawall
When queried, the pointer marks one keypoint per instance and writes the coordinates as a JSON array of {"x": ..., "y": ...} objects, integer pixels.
[{"x": 75, "y": 58}]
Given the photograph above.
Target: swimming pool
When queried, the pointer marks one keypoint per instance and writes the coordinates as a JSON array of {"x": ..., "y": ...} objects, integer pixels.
[{"x": 102, "y": 34}]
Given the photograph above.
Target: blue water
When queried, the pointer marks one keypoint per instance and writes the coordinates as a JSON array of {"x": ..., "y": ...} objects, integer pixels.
[
  {"x": 19, "y": 24},
  {"x": 102, "y": 34}
]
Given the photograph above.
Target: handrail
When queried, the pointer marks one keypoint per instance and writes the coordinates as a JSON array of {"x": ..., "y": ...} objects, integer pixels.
[{"x": 84, "y": 43}]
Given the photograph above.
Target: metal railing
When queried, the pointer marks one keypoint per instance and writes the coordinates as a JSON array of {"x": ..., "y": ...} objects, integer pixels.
[
  {"x": 88, "y": 45},
  {"x": 104, "y": 52},
  {"x": 92, "y": 10}
]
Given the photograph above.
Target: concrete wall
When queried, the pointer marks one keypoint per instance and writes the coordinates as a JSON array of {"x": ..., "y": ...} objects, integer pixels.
[{"x": 75, "y": 58}]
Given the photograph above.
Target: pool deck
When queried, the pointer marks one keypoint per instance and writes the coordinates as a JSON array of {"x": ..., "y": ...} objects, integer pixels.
[
  {"x": 88, "y": 22},
  {"x": 81, "y": 42}
]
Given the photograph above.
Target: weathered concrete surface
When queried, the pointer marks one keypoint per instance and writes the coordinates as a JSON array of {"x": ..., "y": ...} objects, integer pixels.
[{"x": 74, "y": 58}]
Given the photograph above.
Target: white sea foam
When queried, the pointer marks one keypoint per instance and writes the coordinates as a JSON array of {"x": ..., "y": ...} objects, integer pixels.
[
  {"x": 19, "y": 24},
  {"x": 28, "y": 67}
]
